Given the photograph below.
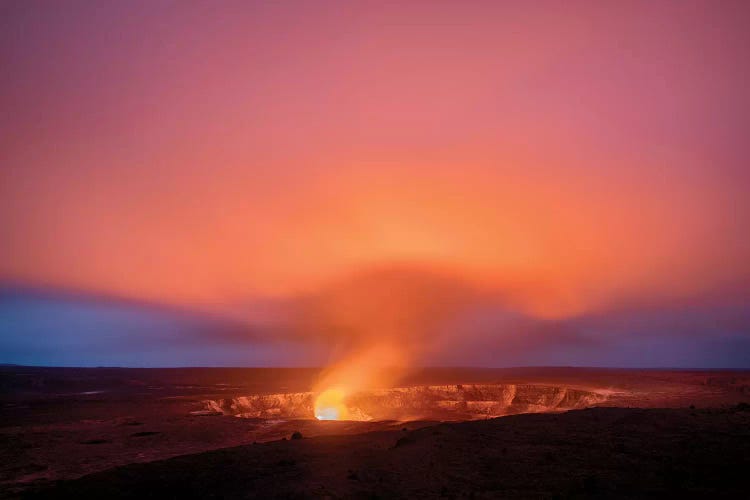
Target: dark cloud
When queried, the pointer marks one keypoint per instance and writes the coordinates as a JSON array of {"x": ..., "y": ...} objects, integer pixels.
[
  {"x": 64, "y": 327},
  {"x": 433, "y": 316}
]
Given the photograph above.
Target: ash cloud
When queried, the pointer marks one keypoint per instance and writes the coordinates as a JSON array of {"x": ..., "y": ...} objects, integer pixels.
[{"x": 431, "y": 317}]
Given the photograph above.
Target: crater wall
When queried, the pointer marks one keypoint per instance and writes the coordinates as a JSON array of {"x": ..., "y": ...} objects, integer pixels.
[{"x": 444, "y": 402}]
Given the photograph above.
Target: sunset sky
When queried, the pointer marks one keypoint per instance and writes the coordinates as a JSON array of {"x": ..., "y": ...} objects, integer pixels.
[{"x": 477, "y": 183}]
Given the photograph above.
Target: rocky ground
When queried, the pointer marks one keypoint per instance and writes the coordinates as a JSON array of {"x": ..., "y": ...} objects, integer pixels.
[
  {"x": 62, "y": 424},
  {"x": 599, "y": 452}
]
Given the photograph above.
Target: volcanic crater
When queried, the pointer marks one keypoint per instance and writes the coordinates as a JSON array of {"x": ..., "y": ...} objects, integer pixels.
[{"x": 441, "y": 402}]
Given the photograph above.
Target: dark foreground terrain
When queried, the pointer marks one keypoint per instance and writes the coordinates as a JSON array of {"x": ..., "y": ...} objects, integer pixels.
[
  {"x": 598, "y": 452},
  {"x": 114, "y": 428}
]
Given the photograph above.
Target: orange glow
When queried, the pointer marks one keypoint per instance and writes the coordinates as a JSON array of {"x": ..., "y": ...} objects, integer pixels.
[
  {"x": 329, "y": 405},
  {"x": 553, "y": 247},
  {"x": 372, "y": 366}
]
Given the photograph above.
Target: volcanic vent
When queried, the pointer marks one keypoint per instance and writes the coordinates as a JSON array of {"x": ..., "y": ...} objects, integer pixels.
[{"x": 443, "y": 402}]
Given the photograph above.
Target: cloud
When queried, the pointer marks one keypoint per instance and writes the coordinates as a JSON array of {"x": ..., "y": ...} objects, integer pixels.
[
  {"x": 63, "y": 327},
  {"x": 401, "y": 314}
]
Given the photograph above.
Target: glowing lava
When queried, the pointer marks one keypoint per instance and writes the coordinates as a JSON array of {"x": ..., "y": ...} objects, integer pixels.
[{"x": 329, "y": 405}]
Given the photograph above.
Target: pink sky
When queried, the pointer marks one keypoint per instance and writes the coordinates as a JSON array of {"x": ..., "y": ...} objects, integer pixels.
[{"x": 569, "y": 157}]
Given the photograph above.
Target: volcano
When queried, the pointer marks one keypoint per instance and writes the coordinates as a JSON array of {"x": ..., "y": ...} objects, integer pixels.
[
  {"x": 61, "y": 424},
  {"x": 432, "y": 402}
]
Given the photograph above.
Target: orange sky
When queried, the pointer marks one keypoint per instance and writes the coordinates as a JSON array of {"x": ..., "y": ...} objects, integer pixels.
[{"x": 565, "y": 157}]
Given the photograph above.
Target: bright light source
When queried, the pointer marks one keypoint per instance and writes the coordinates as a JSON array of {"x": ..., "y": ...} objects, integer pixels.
[
  {"x": 329, "y": 405},
  {"x": 327, "y": 414}
]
